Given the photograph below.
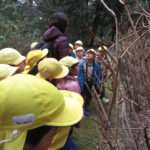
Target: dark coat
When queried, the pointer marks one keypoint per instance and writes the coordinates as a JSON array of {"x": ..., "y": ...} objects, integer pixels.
[{"x": 60, "y": 45}]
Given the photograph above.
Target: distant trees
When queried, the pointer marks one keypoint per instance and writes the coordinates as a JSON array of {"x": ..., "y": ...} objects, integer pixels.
[{"x": 24, "y": 21}]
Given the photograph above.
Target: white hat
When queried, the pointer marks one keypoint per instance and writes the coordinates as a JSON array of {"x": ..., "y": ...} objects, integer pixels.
[{"x": 80, "y": 49}]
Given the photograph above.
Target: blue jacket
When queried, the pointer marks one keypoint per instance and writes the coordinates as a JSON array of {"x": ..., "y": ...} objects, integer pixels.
[
  {"x": 73, "y": 54},
  {"x": 82, "y": 76}
]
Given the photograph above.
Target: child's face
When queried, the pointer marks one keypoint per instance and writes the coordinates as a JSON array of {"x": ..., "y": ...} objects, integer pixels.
[
  {"x": 79, "y": 53},
  {"x": 21, "y": 66},
  {"x": 89, "y": 56},
  {"x": 102, "y": 53},
  {"x": 75, "y": 71}
]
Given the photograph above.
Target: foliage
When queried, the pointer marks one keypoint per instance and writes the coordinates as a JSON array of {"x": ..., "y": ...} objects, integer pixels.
[{"x": 24, "y": 21}]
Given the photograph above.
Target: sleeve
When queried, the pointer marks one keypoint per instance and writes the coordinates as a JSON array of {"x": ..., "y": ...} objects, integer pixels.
[{"x": 98, "y": 74}]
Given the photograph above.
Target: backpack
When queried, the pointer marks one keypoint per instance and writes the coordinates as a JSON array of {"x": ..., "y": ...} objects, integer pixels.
[
  {"x": 51, "y": 51},
  {"x": 49, "y": 45}
]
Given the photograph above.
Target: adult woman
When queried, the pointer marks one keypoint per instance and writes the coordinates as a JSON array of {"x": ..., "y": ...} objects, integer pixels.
[{"x": 57, "y": 27}]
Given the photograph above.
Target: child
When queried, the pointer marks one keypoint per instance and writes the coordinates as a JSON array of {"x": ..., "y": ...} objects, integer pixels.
[
  {"x": 32, "y": 60},
  {"x": 78, "y": 43},
  {"x": 50, "y": 68},
  {"x": 69, "y": 82},
  {"x": 65, "y": 133},
  {"x": 37, "y": 107},
  {"x": 71, "y": 49},
  {"x": 102, "y": 55},
  {"x": 89, "y": 73},
  {"x": 12, "y": 57},
  {"x": 79, "y": 54},
  {"x": 103, "y": 61}
]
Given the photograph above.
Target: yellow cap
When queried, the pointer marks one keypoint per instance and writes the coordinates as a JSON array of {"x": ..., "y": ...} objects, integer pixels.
[
  {"x": 10, "y": 56},
  {"x": 50, "y": 68},
  {"x": 79, "y": 42},
  {"x": 12, "y": 140},
  {"x": 33, "y": 57},
  {"x": 33, "y": 45},
  {"x": 80, "y": 49},
  {"x": 62, "y": 133},
  {"x": 102, "y": 48},
  {"x": 68, "y": 61},
  {"x": 72, "y": 99},
  {"x": 73, "y": 95},
  {"x": 90, "y": 51},
  {"x": 60, "y": 138},
  {"x": 71, "y": 46},
  {"x": 6, "y": 71},
  {"x": 27, "y": 102}
]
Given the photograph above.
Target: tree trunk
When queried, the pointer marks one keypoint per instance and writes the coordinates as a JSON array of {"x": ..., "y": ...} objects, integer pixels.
[{"x": 95, "y": 23}]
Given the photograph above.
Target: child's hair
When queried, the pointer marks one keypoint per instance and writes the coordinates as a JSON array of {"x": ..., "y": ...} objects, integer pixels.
[
  {"x": 34, "y": 70},
  {"x": 71, "y": 69},
  {"x": 35, "y": 135}
]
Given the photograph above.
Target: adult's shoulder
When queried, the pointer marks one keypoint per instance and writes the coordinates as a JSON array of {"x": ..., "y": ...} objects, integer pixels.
[{"x": 61, "y": 39}]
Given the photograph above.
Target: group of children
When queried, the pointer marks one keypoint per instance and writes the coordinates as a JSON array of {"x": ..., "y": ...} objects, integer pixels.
[
  {"x": 92, "y": 71},
  {"x": 41, "y": 98}
]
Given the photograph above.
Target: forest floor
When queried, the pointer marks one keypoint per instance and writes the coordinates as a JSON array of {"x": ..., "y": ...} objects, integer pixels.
[{"x": 86, "y": 136}]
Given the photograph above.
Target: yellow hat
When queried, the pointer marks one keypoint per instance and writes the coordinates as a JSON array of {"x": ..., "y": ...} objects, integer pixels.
[
  {"x": 79, "y": 42},
  {"x": 90, "y": 51},
  {"x": 12, "y": 140},
  {"x": 74, "y": 95},
  {"x": 80, "y": 49},
  {"x": 6, "y": 71},
  {"x": 102, "y": 48},
  {"x": 71, "y": 46},
  {"x": 33, "y": 45},
  {"x": 10, "y": 56},
  {"x": 60, "y": 138},
  {"x": 27, "y": 102},
  {"x": 50, "y": 68},
  {"x": 62, "y": 133},
  {"x": 68, "y": 61},
  {"x": 33, "y": 57}
]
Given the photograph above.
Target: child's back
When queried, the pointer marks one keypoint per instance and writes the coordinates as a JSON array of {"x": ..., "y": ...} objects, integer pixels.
[{"x": 69, "y": 83}]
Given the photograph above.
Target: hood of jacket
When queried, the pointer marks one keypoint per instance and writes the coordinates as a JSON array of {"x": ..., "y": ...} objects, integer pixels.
[{"x": 52, "y": 33}]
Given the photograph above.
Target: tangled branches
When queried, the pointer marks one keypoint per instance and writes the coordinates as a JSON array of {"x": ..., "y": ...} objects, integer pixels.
[{"x": 125, "y": 125}]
